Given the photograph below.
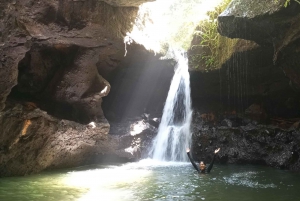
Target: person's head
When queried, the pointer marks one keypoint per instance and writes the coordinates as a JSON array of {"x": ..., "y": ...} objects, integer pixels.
[{"x": 202, "y": 165}]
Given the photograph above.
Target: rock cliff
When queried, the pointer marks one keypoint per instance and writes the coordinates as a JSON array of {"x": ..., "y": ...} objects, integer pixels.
[
  {"x": 55, "y": 59},
  {"x": 252, "y": 112}
]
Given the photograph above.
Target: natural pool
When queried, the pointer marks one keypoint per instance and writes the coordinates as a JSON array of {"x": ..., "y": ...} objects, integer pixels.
[{"x": 150, "y": 180}]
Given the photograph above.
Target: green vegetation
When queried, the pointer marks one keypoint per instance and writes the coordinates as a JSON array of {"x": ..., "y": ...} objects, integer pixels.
[
  {"x": 208, "y": 50},
  {"x": 287, "y": 2}
]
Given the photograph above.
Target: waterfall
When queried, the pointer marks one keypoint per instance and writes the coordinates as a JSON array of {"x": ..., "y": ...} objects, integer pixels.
[{"x": 174, "y": 134}]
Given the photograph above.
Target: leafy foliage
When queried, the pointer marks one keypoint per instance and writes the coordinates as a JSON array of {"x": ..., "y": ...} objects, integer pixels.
[
  {"x": 208, "y": 55},
  {"x": 287, "y": 2},
  {"x": 212, "y": 49}
]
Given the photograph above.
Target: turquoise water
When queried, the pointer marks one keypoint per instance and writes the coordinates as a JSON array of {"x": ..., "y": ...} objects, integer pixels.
[{"x": 149, "y": 180}]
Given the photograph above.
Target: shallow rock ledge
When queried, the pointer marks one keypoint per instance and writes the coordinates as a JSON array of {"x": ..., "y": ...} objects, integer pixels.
[{"x": 31, "y": 141}]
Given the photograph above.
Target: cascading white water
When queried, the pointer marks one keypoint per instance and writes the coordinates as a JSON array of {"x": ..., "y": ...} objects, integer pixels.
[
  {"x": 174, "y": 134},
  {"x": 172, "y": 25}
]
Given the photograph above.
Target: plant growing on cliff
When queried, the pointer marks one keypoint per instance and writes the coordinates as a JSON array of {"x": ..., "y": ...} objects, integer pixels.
[
  {"x": 207, "y": 50},
  {"x": 287, "y": 2}
]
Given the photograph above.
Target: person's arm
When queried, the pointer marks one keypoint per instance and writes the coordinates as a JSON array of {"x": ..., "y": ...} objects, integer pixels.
[
  {"x": 192, "y": 161},
  {"x": 213, "y": 160},
  {"x": 211, "y": 164}
]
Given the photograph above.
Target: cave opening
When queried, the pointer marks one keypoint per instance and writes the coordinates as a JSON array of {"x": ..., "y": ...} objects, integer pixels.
[{"x": 39, "y": 73}]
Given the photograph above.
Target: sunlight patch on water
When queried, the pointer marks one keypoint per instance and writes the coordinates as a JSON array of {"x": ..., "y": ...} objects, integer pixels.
[
  {"x": 104, "y": 182},
  {"x": 115, "y": 182},
  {"x": 154, "y": 180},
  {"x": 108, "y": 194},
  {"x": 105, "y": 177}
]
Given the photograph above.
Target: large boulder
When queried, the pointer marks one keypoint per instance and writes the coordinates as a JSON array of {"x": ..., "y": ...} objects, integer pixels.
[
  {"x": 32, "y": 140},
  {"x": 264, "y": 22},
  {"x": 269, "y": 23}
]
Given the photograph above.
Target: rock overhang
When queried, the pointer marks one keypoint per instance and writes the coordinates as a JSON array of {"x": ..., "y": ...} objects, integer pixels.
[{"x": 127, "y": 3}]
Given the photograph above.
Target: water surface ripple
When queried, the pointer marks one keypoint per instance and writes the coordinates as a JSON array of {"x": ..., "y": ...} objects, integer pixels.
[{"x": 152, "y": 180}]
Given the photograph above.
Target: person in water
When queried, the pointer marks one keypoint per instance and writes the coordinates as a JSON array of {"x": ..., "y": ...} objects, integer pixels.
[{"x": 202, "y": 166}]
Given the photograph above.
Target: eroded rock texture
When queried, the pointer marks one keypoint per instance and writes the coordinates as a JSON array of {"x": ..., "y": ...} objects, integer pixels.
[
  {"x": 58, "y": 47},
  {"x": 55, "y": 59},
  {"x": 243, "y": 141},
  {"x": 32, "y": 140}
]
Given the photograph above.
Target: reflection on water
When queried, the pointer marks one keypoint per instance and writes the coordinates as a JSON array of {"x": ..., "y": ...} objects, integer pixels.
[{"x": 152, "y": 180}]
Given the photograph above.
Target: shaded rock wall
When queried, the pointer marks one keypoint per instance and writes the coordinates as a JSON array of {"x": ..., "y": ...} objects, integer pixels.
[
  {"x": 268, "y": 23},
  {"x": 243, "y": 141},
  {"x": 248, "y": 77},
  {"x": 53, "y": 51},
  {"x": 55, "y": 57},
  {"x": 140, "y": 86},
  {"x": 260, "y": 83},
  {"x": 265, "y": 22}
]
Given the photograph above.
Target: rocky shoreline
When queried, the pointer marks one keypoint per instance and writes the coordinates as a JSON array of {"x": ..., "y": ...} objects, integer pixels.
[{"x": 245, "y": 141}]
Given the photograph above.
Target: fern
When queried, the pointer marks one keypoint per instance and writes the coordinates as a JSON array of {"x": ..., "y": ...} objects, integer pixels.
[{"x": 210, "y": 41}]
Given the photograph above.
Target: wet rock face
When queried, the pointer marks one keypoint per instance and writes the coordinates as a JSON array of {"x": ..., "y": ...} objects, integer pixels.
[
  {"x": 248, "y": 143},
  {"x": 289, "y": 61},
  {"x": 136, "y": 137},
  {"x": 31, "y": 141},
  {"x": 247, "y": 79}
]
